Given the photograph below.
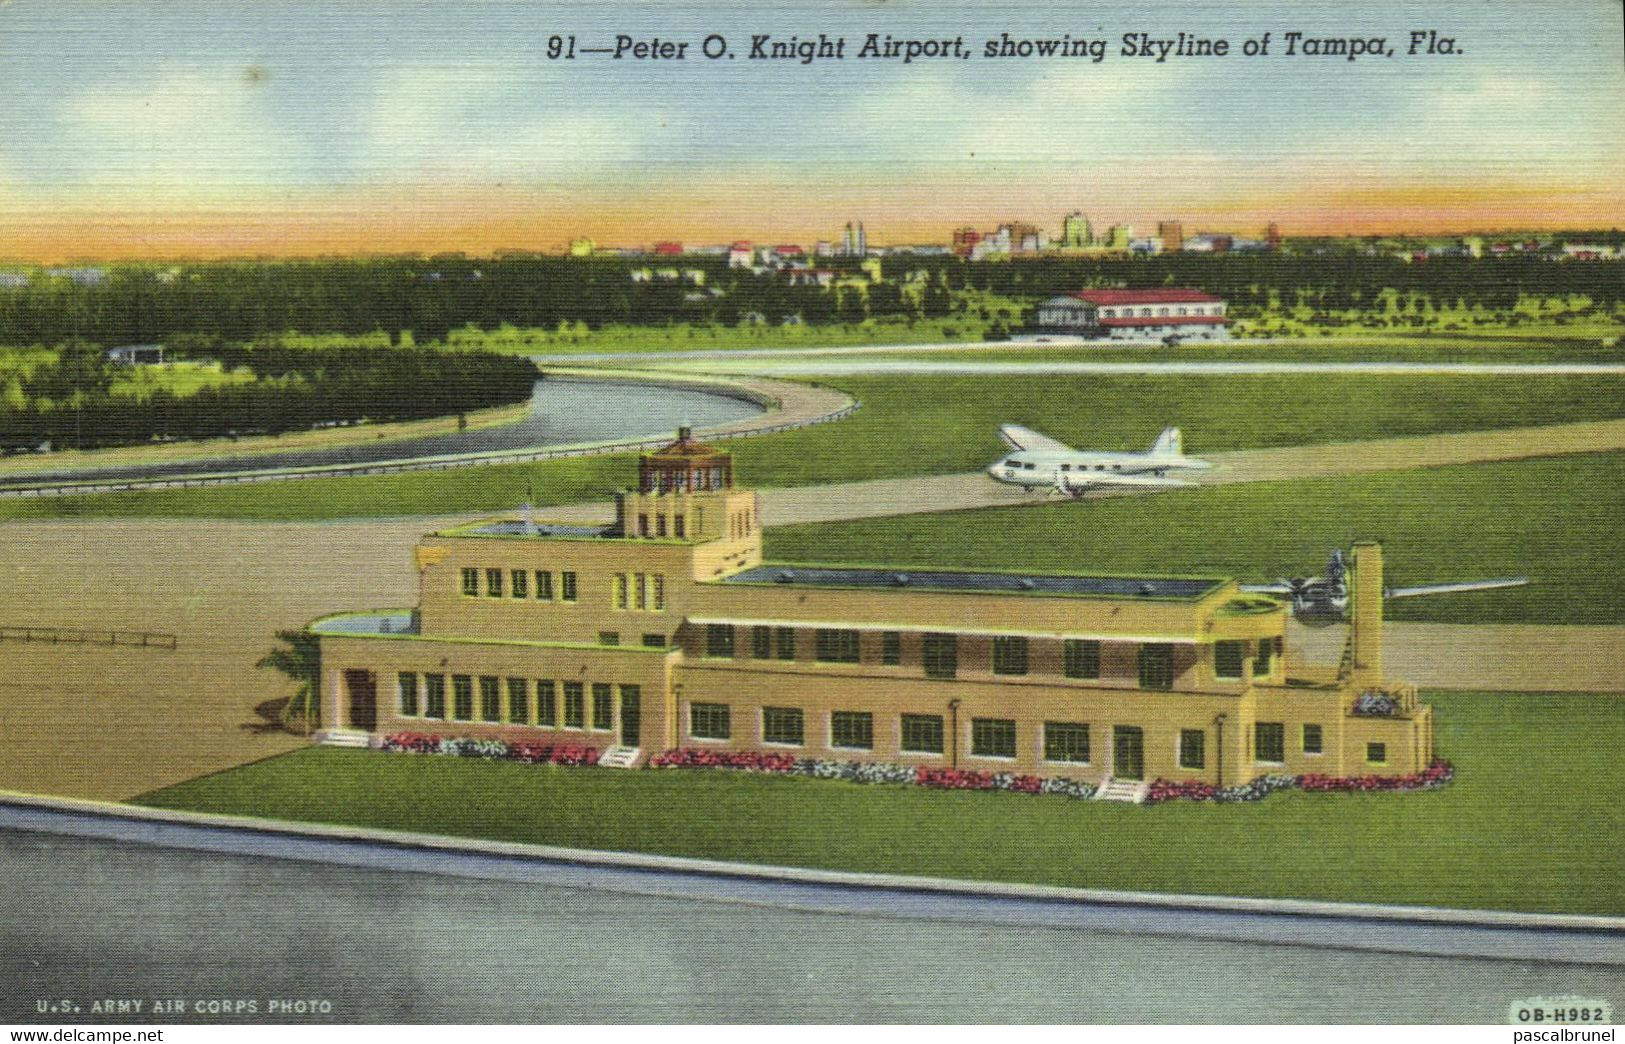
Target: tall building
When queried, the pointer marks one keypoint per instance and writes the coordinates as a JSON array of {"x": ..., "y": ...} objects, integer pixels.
[
  {"x": 664, "y": 629},
  {"x": 1076, "y": 232},
  {"x": 1172, "y": 234},
  {"x": 1272, "y": 237}
]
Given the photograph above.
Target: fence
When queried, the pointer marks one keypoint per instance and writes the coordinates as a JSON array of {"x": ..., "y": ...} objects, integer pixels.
[{"x": 75, "y": 636}]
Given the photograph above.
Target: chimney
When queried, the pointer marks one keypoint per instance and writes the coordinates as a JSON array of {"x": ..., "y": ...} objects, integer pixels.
[{"x": 1365, "y": 614}]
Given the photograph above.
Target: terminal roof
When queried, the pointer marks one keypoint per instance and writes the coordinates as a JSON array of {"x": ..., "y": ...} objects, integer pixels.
[
  {"x": 1005, "y": 583},
  {"x": 518, "y": 527}
]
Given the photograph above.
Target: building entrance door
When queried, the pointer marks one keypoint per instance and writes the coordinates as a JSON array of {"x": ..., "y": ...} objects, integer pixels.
[
  {"x": 1128, "y": 752},
  {"x": 631, "y": 715},
  {"x": 363, "y": 689}
]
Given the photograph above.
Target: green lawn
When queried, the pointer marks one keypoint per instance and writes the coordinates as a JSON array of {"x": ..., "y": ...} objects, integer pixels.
[
  {"x": 1531, "y": 823},
  {"x": 1554, "y": 519},
  {"x": 919, "y": 425}
]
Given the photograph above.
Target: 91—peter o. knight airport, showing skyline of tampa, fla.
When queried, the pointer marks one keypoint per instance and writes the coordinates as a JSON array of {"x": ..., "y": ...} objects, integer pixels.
[{"x": 194, "y": 129}]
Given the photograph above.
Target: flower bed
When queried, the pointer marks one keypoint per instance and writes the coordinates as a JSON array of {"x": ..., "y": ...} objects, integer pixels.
[
  {"x": 869, "y": 772},
  {"x": 466, "y": 747},
  {"x": 1434, "y": 776}
]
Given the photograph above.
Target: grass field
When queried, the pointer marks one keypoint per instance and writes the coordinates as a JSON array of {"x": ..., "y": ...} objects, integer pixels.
[
  {"x": 921, "y": 425},
  {"x": 1554, "y": 519},
  {"x": 1531, "y": 822}
]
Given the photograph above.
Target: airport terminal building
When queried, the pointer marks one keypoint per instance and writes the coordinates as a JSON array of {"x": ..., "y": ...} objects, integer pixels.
[
  {"x": 1134, "y": 314},
  {"x": 666, "y": 629}
]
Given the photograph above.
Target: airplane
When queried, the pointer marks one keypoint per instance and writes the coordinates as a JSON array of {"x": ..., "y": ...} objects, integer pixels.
[
  {"x": 1326, "y": 597},
  {"x": 1040, "y": 462}
]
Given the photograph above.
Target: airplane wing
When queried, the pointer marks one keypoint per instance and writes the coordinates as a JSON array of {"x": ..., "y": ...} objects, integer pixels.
[
  {"x": 1467, "y": 585},
  {"x": 1283, "y": 589},
  {"x": 1105, "y": 478},
  {"x": 1020, "y": 438}
]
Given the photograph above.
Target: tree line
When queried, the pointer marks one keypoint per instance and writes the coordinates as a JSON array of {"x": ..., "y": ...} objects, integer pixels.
[{"x": 71, "y": 401}]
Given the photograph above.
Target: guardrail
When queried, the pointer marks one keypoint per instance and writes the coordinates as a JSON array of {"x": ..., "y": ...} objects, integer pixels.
[
  {"x": 75, "y": 636},
  {"x": 71, "y": 489}
]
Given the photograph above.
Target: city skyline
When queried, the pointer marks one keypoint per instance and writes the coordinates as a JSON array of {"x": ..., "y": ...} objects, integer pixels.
[{"x": 189, "y": 129}]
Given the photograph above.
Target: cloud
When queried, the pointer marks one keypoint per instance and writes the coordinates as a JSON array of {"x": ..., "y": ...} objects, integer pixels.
[{"x": 193, "y": 132}]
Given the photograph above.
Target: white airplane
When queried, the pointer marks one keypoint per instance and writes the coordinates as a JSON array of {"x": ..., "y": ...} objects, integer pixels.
[{"x": 1040, "y": 462}]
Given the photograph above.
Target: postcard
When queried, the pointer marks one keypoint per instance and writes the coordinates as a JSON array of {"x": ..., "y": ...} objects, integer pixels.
[{"x": 517, "y": 512}]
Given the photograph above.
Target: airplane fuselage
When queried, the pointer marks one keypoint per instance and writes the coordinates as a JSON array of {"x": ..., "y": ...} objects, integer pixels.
[{"x": 1045, "y": 469}]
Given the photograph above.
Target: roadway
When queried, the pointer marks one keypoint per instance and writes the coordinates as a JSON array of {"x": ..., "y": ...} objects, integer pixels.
[{"x": 466, "y": 931}]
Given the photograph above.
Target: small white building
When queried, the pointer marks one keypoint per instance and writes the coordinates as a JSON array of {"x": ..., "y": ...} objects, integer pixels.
[{"x": 1135, "y": 314}]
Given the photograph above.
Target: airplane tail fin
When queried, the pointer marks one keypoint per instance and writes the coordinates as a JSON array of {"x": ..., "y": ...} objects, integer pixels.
[{"x": 1169, "y": 444}]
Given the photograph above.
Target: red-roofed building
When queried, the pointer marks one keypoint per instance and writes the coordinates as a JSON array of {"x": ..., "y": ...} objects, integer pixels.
[
  {"x": 741, "y": 254},
  {"x": 668, "y": 247},
  {"x": 1134, "y": 314}
]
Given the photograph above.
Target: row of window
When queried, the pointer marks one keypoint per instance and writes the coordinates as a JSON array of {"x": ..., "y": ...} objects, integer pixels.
[
  {"x": 1146, "y": 313},
  {"x": 679, "y": 525},
  {"x": 512, "y": 701},
  {"x": 917, "y": 733},
  {"x": 517, "y": 583},
  {"x": 1064, "y": 741},
  {"x": 1080, "y": 657},
  {"x": 642, "y": 591}
]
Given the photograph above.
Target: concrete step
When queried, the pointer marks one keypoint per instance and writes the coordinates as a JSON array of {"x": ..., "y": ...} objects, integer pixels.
[
  {"x": 620, "y": 757},
  {"x": 1128, "y": 791},
  {"x": 343, "y": 738}
]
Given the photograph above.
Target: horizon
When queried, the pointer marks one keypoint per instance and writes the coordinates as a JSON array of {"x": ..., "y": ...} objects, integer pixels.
[{"x": 186, "y": 130}]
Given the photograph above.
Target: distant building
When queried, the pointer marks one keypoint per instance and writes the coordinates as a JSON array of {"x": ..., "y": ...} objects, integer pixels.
[
  {"x": 1076, "y": 232},
  {"x": 741, "y": 254},
  {"x": 1172, "y": 234},
  {"x": 668, "y": 247},
  {"x": 1272, "y": 237},
  {"x": 137, "y": 355},
  {"x": 1145, "y": 245},
  {"x": 1119, "y": 236},
  {"x": 1210, "y": 243},
  {"x": 823, "y": 248},
  {"x": 965, "y": 239},
  {"x": 1134, "y": 314}
]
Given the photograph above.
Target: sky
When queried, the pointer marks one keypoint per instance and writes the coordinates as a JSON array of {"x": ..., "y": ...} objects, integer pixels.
[{"x": 204, "y": 128}]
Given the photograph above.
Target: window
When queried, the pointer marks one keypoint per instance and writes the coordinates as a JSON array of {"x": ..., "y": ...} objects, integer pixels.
[
  {"x": 854, "y": 730},
  {"x": 471, "y": 583},
  {"x": 567, "y": 587},
  {"x": 519, "y": 701},
  {"x": 1267, "y": 648},
  {"x": 575, "y": 705},
  {"x": 643, "y": 525},
  {"x": 490, "y": 698},
  {"x": 761, "y": 642},
  {"x": 1157, "y": 666},
  {"x": 709, "y": 721},
  {"x": 922, "y": 733},
  {"x": 1192, "y": 748},
  {"x": 1227, "y": 657},
  {"x": 1009, "y": 655},
  {"x": 1080, "y": 658},
  {"x": 1376, "y": 753},
  {"x": 836, "y": 646},
  {"x": 519, "y": 583},
  {"x": 1311, "y": 739},
  {"x": 719, "y": 639},
  {"x": 941, "y": 656},
  {"x": 660, "y": 525},
  {"x": 603, "y": 706},
  {"x": 408, "y": 687},
  {"x": 657, "y": 592},
  {"x": 654, "y": 641},
  {"x": 891, "y": 648},
  {"x": 544, "y": 585},
  {"x": 783, "y": 725},
  {"x": 1066, "y": 741},
  {"x": 786, "y": 638},
  {"x": 1269, "y": 741},
  {"x": 547, "y": 710},
  {"x": 993, "y": 737},
  {"x": 434, "y": 695},
  {"x": 640, "y": 591},
  {"x": 609, "y": 637},
  {"x": 462, "y": 697},
  {"x": 493, "y": 583},
  {"x": 618, "y": 592},
  {"x": 678, "y": 529}
]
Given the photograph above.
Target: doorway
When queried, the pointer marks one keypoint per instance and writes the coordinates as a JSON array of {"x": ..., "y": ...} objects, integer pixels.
[
  {"x": 631, "y": 715},
  {"x": 363, "y": 689},
  {"x": 1128, "y": 752}
]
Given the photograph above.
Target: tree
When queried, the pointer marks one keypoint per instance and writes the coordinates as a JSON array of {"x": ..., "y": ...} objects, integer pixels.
[{"x": 298, "y": 657}]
